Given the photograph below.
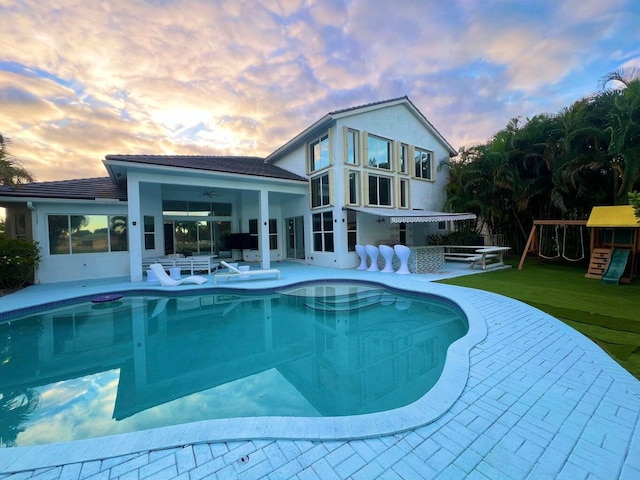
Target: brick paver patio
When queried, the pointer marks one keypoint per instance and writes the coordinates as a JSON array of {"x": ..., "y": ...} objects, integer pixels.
[{"x": 541, "y": 401}]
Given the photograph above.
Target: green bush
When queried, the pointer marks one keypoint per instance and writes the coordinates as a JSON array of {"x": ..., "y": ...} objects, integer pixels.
[
  {"x": 462, "y": 237},
  {"x": 634, "y": 201},
  {"x": 18, "y": 261}
]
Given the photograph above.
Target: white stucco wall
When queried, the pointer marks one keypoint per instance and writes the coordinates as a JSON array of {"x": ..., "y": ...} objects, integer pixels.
[
  {"x": 67, "y": 267},
  {"x": 397, "y": 123}
]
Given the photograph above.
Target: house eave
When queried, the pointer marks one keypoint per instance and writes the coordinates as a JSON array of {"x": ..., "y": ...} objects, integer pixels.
[
  {"x": 189, "y": 172},
  {"x": 329, "y": 119},
  {"x": 322, "y": 124}
]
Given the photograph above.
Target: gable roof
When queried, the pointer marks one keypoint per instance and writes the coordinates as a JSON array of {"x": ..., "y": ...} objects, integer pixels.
[
  {"x": 331, "y": 117},
  {"x": 254, "y": 166},
  {"x": 79, "y": 189}
]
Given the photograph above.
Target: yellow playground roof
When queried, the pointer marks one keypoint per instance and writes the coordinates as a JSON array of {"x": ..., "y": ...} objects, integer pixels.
[{"x": 618, "y": 216}]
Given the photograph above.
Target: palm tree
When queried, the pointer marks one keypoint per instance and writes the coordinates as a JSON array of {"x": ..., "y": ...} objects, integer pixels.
[
  {"x": 624, "y": 75},
  {"x": 624, "y": 130},
  {"x": 11, "y": 173}
]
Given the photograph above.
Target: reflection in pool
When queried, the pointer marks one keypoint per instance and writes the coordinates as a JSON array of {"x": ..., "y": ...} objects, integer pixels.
[{"x": 88, "y": 370}]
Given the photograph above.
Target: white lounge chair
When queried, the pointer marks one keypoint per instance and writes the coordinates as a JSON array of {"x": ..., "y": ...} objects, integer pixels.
[
  {"x": 166, "y": 281},
  {"x": 234, "y": 272}
]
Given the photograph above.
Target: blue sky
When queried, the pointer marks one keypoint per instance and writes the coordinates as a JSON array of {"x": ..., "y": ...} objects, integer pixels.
[{"x": 80, "y": 80}]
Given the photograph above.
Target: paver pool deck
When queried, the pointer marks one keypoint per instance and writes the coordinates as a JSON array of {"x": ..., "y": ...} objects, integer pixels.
[{"x": 540, "y": 401}]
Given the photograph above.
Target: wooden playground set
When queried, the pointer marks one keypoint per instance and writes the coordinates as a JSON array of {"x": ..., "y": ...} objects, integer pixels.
[{"x": 610, "y": 237}]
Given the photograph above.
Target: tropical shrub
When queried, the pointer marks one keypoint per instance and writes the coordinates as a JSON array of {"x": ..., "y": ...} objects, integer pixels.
[
  {"x": 634, "y": 201},
  {"x": 462, "y": 237},
  {"x": 18, "y": 261}
]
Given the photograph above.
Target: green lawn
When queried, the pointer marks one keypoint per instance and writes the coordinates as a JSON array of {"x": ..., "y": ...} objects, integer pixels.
[{"x": 608, "y": 314}]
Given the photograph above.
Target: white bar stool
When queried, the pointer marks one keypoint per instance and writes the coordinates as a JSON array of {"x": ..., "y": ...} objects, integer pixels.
[
  {"x": 362, "y": 253},
  {"x": 403, "y": 254},
  {"x": 387, "y": 253},
  {"x": 373, "y": 253}
]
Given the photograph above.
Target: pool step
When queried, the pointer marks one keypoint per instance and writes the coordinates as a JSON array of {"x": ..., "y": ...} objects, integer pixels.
[{"x": 346, "y": 303}]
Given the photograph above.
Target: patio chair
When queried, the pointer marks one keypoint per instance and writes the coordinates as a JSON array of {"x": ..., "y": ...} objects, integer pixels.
[
  {"x": 166, "y": 281},
  {"x": 234, "y": 272}
]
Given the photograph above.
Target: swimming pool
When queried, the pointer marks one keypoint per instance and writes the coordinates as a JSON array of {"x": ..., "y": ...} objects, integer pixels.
[{"x": 90, "y": 369}]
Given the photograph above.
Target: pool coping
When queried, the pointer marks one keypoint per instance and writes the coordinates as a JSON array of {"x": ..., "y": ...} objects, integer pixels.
[{"x": 429, "y": 408}]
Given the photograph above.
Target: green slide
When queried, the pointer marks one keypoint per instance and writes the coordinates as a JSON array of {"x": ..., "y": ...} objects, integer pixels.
[{"x": 616, "y": 267}]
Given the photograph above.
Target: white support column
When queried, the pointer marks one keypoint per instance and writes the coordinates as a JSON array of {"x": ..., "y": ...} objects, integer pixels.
[
  {"x": 36, "y": 233},
  {"x": 136, "y": 232},
  {"x": 263, "y": 221}
]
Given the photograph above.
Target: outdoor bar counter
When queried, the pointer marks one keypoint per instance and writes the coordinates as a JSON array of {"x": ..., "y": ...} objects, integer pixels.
[{"x": 426, "y": 259}]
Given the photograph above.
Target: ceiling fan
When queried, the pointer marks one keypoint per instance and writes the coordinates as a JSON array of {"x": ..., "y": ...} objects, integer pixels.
[{"x": 211, "y": 194}]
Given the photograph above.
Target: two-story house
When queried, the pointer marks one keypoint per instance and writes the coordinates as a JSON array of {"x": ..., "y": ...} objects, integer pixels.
[{"x": 367, "y": 174}]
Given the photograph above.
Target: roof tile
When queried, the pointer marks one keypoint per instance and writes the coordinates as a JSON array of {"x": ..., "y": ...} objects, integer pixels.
[
  {"x": 85, "y": 189},
  {"x": 241, "y": 165}
]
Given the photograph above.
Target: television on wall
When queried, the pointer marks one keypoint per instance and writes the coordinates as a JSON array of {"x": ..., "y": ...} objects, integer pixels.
[{"x": 243, "y": 241}]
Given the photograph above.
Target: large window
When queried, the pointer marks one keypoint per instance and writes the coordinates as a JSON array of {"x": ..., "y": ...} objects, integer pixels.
[
  {"x": 424, "y": 164},
  {"x": 352, "y": 147},
  {"x": 379, "y": 190},
  {"x": 273, "y": 232},
  {"x": 198, "y": 237},
  {"x": 319, "y": 153},
  {"x": 192, "y": 237},
  {"x": 351, "y": 231},
  {"x": 404, "y": 194},
  {"x": 323, "y": 231},
  {"x": 404, "y": 158},
  {"x": 149, "y": 233},
  {"x": 320, "y": 193},
  {"x": 379, "y": 152},
  {"x": 353, "y": 188},
  {"x": 73, "y": 234},
  {"x": 20, "y": 225},
  {"x": 179, "y": 208}
]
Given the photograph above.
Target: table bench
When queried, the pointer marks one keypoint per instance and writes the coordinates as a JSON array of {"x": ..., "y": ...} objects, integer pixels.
[
  {"x": 489, "y": 257},
  {"x": 486, "y": 257}
]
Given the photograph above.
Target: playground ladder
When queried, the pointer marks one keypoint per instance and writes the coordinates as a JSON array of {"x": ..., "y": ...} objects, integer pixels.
[{"x": 600, "y": 258}]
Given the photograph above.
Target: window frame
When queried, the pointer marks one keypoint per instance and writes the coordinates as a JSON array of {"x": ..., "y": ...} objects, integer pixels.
[
  {"x": 403, "y": 160},
  {"x": 357, "y": 185},
  {"x": 352, "y": 150},
  {"x": 418, "y": 172},
  {"x": 311, "y": 162},
  {"x": 377, "y": 164},
  {"x": 108, "y": 233},
  {"x": 20, "y": 225},
  {"x": 388, "y": 179},
  {"x": 404, "y": 196},
  {"x": 352, "y": 230},
  {"x": 149, "y": 234},
  {"x": 273, "y": 233},
  {"x": 320, "y": 193},
  {"x": 322, "y": 233}
]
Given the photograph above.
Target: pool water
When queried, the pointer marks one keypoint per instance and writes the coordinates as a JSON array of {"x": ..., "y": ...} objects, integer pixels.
[{"x": 88, "y": 370}]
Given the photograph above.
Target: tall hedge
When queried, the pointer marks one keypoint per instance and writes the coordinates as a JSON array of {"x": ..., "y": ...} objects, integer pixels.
[{"x": 18, "y": 262}]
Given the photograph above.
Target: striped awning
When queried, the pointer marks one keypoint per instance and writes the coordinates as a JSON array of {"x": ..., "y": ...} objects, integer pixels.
[{"x": 397, "y": 215}]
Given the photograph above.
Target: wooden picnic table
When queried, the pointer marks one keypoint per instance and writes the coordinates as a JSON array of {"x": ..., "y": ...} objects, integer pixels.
[{"x": 488, "y": 257}]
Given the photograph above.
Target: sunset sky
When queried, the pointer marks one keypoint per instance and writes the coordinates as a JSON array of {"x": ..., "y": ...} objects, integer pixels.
[{"x": 80, "y": 79}]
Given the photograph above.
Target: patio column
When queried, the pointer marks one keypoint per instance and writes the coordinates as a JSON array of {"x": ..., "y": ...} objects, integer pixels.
[
  {"x": 135, "y": 228},
  {"x": 263, "y": 220}
]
